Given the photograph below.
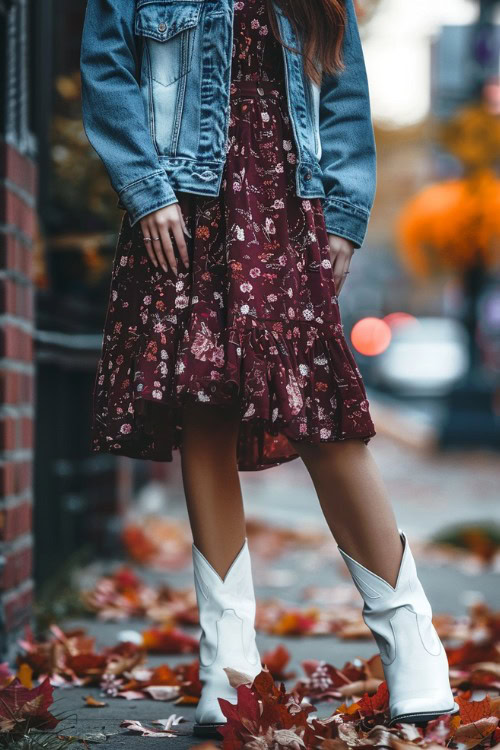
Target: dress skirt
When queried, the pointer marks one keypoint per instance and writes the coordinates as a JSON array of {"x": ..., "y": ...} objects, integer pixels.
[{"x": 255, "y": 319}]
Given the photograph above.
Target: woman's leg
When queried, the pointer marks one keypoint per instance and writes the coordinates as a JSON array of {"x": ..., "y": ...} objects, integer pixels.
[
  {"x": 212, "y": 483},
  {"x": 221, "y": 559},
  {"x": 355, "y": 503},
  {"x": 399, "y": 615}
]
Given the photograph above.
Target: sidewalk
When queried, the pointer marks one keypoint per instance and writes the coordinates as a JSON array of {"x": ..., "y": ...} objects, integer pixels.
[{"x": 429, "y": 492}]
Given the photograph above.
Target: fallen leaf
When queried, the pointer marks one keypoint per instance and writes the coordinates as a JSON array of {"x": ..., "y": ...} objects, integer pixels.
[
  {"x": 131, "y": 695},
  {"x": 169, "y": 641},
  {"x": 136, "y": 726},
  {"x": 93, "y": 702},
  {"x": 24, "y": 708},
  {"x": 172, "y": 721},
  {"x": 471, "y": 735},
  {"x": 360, "y": 687},
  {"x": 162, "y": 692},
  {"x": 276, "y": 661},
  {"x": 369, "y": 705},
  {"x": 471, "y": 711},
  {"x": 25, "y": 675},
  {"x": 237, "y": 678}
]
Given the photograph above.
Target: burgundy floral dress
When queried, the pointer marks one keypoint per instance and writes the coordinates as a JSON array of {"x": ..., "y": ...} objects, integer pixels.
[{"x": 256, "y": 316}]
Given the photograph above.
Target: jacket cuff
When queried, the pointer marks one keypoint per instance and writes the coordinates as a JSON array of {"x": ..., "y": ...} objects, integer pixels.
[
  {"x": 345, "y": 220},
  {"x": 146, "y": 195}
]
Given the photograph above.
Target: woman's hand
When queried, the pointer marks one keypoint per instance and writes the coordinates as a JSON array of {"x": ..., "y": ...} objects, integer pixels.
[
  {"x": 156, "y": 228},
  {"x": 341, "y": 251}
]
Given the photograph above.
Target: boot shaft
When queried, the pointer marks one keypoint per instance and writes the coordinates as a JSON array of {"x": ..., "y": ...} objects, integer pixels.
[{"x": 227, "y": 611}]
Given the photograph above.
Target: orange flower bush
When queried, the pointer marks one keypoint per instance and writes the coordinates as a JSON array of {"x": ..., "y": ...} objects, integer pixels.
[{"x": 452, "y": 225}]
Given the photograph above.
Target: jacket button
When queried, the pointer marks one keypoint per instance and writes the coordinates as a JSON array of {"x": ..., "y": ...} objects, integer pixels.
[
  {"x": 162, "y": 27},
  {"x": 308, "y": 176}
]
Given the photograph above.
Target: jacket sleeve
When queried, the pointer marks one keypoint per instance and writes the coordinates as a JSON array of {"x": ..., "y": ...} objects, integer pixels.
[
  {"x": 348, "y": 156},
  {"x": 114, "y": 115}
]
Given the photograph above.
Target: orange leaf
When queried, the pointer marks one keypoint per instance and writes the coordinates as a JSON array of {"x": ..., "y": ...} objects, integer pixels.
[
  {"x": 471, "y": 711},
  {"x": 93, "y": 702},
  {"x": 472, "y": 734},
  {"x": 187, "y": 700},
  {"x": 25, "y": 675}
]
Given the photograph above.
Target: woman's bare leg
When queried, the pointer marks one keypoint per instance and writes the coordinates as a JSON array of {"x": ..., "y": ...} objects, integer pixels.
[
  {"x": 355, "y": 503},
  {"x": 212, "y": 483}
]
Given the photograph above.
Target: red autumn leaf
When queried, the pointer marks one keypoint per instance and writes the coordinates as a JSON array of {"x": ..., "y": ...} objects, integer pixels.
[
  {"x": 169, "y": 641},
  {"x": 163, "y": 675},
  {"x": 369, "y": 705},
  {"x": 86, "y": 664},
  {"x": 327, "y": 682},
  {"x": 25, "y": 708},
  {"x": 276, "y": 662},
  {"x": 264, "y": 685},
  {"x": 471, "y": 711},
  {"x": 471, "y": 652},
  {"x": 126, "y": 578},
  {"x": 189, "y": 677}
]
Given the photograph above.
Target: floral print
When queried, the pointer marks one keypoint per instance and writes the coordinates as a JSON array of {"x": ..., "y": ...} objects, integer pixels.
[{"x": 255, "y": 318}]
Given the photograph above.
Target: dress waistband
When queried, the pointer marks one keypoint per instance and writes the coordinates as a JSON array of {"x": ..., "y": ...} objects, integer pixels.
[{"x": 257, "y": 88}]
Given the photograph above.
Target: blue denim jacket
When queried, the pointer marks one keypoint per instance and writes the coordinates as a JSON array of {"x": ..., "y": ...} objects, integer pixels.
[{"x": 155, "y": 95}]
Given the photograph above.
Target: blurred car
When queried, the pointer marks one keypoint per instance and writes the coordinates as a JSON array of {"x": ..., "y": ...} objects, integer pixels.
[{"x": 426, "y": 357}]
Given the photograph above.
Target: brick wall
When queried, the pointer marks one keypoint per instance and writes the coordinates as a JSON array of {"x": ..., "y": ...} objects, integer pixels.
[{"x": 17, "y": 229}]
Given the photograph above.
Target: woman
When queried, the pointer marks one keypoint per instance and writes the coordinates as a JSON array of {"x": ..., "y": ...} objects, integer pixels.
[{"x": 239, "y": 140}]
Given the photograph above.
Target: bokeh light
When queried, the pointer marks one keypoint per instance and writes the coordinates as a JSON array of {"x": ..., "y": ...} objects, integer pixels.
[
  {"x": 371, "y": 336},
  {"x": 399, "y": 318}
]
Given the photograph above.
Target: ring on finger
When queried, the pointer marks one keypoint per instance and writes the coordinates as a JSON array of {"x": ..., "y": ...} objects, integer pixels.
[
  {"x": 155, "y": 239},
  {"x": 147, "y": 239}
]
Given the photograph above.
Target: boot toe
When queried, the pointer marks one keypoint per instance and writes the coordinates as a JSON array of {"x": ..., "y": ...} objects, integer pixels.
[
  {"x": 209, "y": 712},
  {"x": 422, "y": 709}
]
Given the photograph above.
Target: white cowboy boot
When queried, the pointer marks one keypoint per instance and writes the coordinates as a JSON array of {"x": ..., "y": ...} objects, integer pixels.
[
  {"x": 414, "y": 660},
  {"x": 227, "y": 616}
]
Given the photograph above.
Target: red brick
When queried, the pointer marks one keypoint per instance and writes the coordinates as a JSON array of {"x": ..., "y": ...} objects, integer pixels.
[
  {"x": 8, "y": 303},
  {"x": 10, "y": 387},
  {"x": 8, "y": 433},
  {"x": 15, "y": 343},
  {"x": 16, "y": 520},
  {"x": 16, "y": 298},
  {"x": 15, "y": 212},
  {"x": 23, "y": 476},
  {"x": 26, "y": 433},
  {"x": 15, "y": 255},
  {"x": 7, "y": 480},
  {"x": 26, "y": 388},
  {"x": 17, "y": 567},
  {"x": 17, "y": 606},
  {"x": 18, "y": 168}
]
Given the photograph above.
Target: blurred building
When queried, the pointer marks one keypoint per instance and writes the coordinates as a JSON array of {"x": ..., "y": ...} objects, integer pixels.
[{"x": 59, "y": 498}]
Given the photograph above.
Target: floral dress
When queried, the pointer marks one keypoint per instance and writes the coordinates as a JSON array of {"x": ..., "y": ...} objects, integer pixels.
[{"x": 255, "y": 319}]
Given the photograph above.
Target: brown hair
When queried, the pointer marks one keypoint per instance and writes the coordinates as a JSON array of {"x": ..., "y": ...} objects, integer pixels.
[{"x": 321, "y": 25}]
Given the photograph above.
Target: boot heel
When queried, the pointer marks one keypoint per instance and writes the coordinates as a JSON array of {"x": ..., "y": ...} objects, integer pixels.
[{"x": 208, "y": 731}]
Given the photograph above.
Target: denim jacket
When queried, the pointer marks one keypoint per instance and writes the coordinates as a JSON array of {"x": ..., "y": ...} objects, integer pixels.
[{"x": 156, "y": 96}]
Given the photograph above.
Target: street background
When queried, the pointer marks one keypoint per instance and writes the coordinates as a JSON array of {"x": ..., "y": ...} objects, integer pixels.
[{"x": 91, "y": 541}]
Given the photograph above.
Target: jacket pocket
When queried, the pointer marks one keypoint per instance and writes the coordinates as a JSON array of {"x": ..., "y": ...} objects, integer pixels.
[{"x": 169, "y": 27}]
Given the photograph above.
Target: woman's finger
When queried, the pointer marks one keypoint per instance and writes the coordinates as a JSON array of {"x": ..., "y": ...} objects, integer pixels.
[
  {"x": 184, "y": 226},
  {"x": 157, "y": 247},
  {"x": 338, "y": 268},
  {"x": 178, "y": 233},
  {"x": 166, "y": 242},
  {"x": 148, "y": 242}
]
